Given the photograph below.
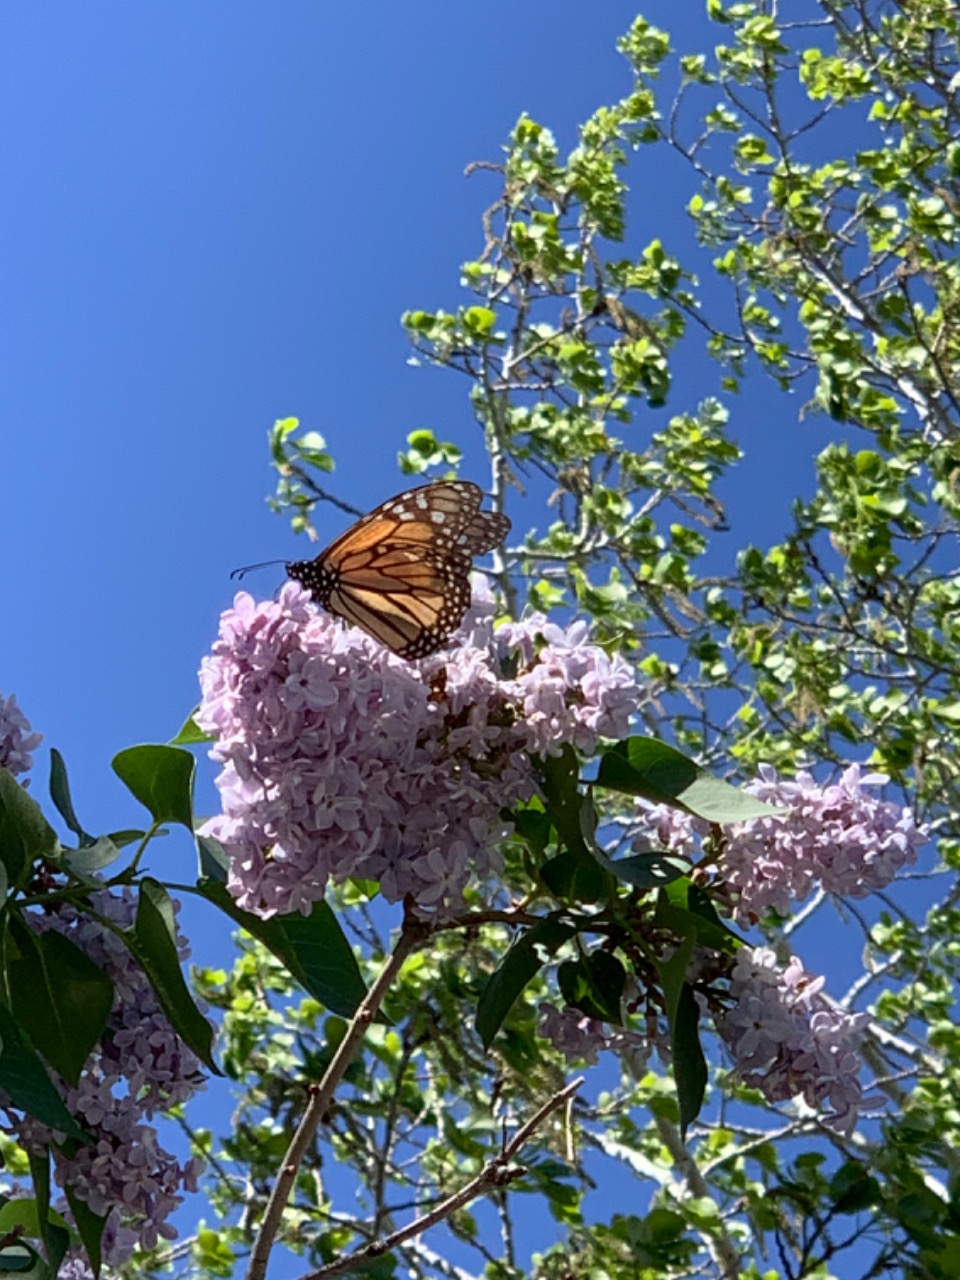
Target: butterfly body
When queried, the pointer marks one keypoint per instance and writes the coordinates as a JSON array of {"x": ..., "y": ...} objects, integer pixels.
[{"x": 402, "y": 572}]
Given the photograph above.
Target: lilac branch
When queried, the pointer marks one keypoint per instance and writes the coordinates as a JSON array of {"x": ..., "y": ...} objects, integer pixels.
[
  {"x": 495, "y": 1175},
  {"x": 321, "y": 1094}
]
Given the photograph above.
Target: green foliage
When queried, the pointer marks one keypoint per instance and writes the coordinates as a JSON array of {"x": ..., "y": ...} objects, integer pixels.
[
  {"x": 426, "y": 451},
  {"x": 90, "y": 1228},
  {"x": 661, "y": 774},
  {"x": 25, "y": 834},
  {"x": 153, "y": 941},
  {"x": 293, "y": 457},
  {"x": 161, "y": 778},
  {"x": 690, "y": 1067},
  {"x": 24, "y": 1078},
  {"x": 59, "y": 997},
  {"x": 60, "y": 795},
  {"x": 518, "y": 968}
]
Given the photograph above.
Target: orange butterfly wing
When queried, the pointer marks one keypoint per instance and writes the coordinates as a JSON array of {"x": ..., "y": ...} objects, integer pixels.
[{"x": 402, "y": 572}]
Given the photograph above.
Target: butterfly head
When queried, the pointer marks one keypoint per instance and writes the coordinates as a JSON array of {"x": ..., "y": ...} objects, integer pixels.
[{"x": 313, "y": 577}]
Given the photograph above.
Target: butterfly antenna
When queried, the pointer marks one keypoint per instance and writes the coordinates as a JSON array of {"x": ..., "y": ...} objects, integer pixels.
[{"x": 248, "y": 568}]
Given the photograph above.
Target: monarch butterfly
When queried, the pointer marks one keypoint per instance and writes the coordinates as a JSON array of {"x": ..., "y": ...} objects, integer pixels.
[{"x": 402, "y": 572}]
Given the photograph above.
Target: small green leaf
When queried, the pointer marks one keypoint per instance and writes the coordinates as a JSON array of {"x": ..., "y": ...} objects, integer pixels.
[
  {"x": 312, "y": 440},
  {"x": 60, "y": 795},
  {"x": 214, "y": 1254},
  {"x": 213, "y": 860},
  {"x": 313, "y": 948},
  {"x": 86, "y": 861},
  {"x": 853, "y": 1189},
  {"x": 659, "y": 773},
  {"x": 422, "y": 441},
  {"x": 25, "y": 834},
  {"x": 153, "y": 942},
  {"x": 190, "y": 734},
  {"x": 50, "y": 1225},
  {"x": 520, "y": 965},
  {"x": 688, "y": 910},
  {"x": 645, "y": 870},
  {"x": 23, "y": 1215},
  {"x": 161, "y": 778},
  {"x": 479, "y": 319},
  {"x": 532, "y": 824},
  {"x": 673, "y": 974},
  {"x": 320, "y": 957},
  {"x": 560, "y": 779},
  {"x": 126, "y": 837},
  {"x": 594, "y": 984},
  {"x": 59, "y": 996},
  {"x": 24, "y": 1077},
  {"x": 90, "y": 1227},
  {"x": 716, "y": 801},
  {"x": 575, "y": 877},
  {"x": 646, "y": 767},
  {"x": 689, "y": 1064}
]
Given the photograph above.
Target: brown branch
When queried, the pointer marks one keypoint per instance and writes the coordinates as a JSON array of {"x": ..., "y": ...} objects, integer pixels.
[
  {"x": 719, "y": 1244},
  {"x": 499, "y": 1173},
  {"x": 321, "y": 1094}
]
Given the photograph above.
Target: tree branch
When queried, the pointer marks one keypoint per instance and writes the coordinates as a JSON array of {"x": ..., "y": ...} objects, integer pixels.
[
  {"x": 499, "y": 1173},
  {"x": 321, "y": 1095}
]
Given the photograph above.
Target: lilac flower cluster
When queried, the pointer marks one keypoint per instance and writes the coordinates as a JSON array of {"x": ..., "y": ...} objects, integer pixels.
[
  {"x": 840, "y": 836},
  {"x": 577, "y": 1036},
  {"x": 787, "y": 1039},
  {"x": 341, "y": 760},
  {"x": 139, "y": 1067},
  {"x": 74, "y": 1268},
  {"x": 581, "y": 1038},
  {"x": 17, "y": 741}
]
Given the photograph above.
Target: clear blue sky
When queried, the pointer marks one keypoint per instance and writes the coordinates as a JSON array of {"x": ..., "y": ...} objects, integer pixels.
[{"x": 215, "y": 214}]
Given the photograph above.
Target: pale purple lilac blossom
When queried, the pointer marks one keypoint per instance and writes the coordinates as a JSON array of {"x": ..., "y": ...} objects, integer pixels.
[
  {"x": 840, "y": 836},
  {"x": 17, "y": 740},
  {"x": 581, "y": 1038},
  {"x": 788, "y": 1040},
  {"x": 74, "y": 1268},
  {"x": 341, "y": 760},
  {"x": 139, "y": 1067},
  {"x": 577, "y": 1036}
]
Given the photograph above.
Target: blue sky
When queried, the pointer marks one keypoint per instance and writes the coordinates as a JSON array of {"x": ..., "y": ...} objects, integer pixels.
[{"x": 215, "y": 215}]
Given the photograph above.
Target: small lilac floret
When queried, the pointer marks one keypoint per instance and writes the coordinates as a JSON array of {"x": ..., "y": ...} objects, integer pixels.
[
  {"x": 577, "y": 1036},
  {"x": 17, "y": 739}
]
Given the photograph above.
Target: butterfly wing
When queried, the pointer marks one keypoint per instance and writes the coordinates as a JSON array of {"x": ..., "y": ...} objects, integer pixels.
[{"x": 402, "y": 572}]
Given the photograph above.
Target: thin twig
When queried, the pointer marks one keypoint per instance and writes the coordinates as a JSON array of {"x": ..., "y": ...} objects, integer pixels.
[
  {"x": 321, "y": 1095},
  {"x": 499, "y": 1173}
]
